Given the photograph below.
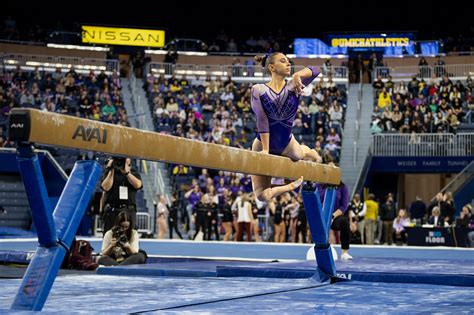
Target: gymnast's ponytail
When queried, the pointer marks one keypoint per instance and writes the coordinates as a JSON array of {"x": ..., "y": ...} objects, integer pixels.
[{"x": 261, "y": 60}]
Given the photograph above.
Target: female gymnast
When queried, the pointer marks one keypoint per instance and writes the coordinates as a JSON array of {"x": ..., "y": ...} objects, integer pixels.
[{"x": 275, "y": 105}]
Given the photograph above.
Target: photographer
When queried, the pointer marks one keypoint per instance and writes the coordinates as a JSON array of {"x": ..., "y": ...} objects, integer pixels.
[
  {"x": 120, "y": 244},
  {"x": 120, "y": 184}
]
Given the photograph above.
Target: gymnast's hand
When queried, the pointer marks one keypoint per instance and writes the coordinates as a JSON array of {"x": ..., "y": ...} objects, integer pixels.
[
  {"x": 264, "y": 151},
  {"x": 299, "y": 86}
]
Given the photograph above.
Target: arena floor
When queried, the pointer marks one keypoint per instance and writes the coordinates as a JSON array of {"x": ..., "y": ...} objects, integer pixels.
[{"x": 218, "y": 277}]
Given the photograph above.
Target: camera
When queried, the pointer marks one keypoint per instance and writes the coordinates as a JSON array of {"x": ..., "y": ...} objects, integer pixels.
[
  {"x": 118, "y": 164},
  {"x": 119, "y": 234}
]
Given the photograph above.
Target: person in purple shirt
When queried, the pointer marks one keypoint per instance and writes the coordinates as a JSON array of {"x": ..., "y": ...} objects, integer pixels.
[
  {"x": 340, "y": 216},
  {"x": 246, "y": 184},
  {"x": 220, "y": 190},
  {"x": 275, "y": 104},
  {"x": 193, "y": 196}
]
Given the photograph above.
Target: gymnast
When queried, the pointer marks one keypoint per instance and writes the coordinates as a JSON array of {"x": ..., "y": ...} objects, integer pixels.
[{"x": 275, "y": 105}]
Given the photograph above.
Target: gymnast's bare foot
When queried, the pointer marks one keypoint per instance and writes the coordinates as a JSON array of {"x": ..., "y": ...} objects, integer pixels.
[{"x": 297, "y": 183}]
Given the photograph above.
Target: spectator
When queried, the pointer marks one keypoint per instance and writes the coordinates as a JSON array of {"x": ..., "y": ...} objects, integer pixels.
[
  {"x": 276, "y": 207},
  {"x": 358, "y": 210},
  {"x": 465, "y": 220},
  {"x": 171, "y": 56},
  {"x": 446, "y": 210},
  {"x": 193, "y": 195},
  {"x": 244, "y": 218},
  {"x": 418, "y": 210},
  {"x": 378, "y": 85},
  {"x": 231, "y": 46},
  {"x": 174, "y": 209},
  {"x": 227, "y": 217},
  {"x": 451, "y": 208},
  {"x": 399, "y": 224},
  {"x": 327, "y": 67},
  {"x": 439, "y": 67},
  {"x": 385, "y": 100},
  {"x": 424, "y": 68},
  {"x": 436, "y": 219},
  {"x": 371, "y": 216},
  {"x": 387, "y": 215}
]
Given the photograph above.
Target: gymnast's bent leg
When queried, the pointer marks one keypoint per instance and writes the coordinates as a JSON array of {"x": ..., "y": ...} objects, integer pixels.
[
  {"x": 296, "y": 152},
  {"x": 262, "y": 184}
]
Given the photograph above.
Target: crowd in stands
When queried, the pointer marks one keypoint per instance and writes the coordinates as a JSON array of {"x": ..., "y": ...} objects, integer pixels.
[
  {"x": 420, "y": 106},
  {"x": 92, "y": 96}
]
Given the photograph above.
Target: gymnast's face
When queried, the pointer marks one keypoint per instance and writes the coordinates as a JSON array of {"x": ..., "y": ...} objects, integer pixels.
[{"x": 280, "y": 65}]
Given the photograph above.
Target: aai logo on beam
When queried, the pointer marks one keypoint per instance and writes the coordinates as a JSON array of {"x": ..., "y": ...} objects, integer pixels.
[{"x": 90, "y": 134}]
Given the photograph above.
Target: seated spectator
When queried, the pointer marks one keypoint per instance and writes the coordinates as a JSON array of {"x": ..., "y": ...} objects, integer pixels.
[
  {"x": 466, "y": 219},
  {"x": 333, "y": 149},
  {"x": 401, "y": 89},
  {"x": 120, "y": 244},
  {"x": 436, "y": 219},
  {"x": 399, "y": 224},
  {"x": 333, "y": 136},
  {"x": 384, "y": 100},
  {"x": 378, "y": 85}
]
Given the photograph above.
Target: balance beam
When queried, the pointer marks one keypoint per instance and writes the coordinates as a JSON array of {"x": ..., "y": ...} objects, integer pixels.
[{"x": 56, "y": 130}]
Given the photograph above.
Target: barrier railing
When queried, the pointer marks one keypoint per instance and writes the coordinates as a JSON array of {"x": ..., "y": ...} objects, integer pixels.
[
  {"x": 226, "y": 70},
  {"x": 144, "y": 224},
  {"x": 439, "y": 144},
  {"x": 425, "y": 72},
  {"x": 63, "y": 62}
]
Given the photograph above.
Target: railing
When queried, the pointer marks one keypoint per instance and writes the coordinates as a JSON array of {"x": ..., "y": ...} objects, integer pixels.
[
  {"x": 226, "y": 70},
  {"x": 359, "y": 183},
  {"x": 158, "y": 185},
  {"x": 459, "y": 180},
  {"x": 425, "y": 72},
  {"x": 417, "y": 145},
  {"x": 45, "y": 62}
]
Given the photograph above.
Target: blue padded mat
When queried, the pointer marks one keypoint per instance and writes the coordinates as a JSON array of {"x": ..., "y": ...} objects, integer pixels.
[
  {"x": 441, "y": 272},
  {"x": 444, "y": 272},
  {"x": 15, "y": 256},
  {"x": 174, "y": 267}
]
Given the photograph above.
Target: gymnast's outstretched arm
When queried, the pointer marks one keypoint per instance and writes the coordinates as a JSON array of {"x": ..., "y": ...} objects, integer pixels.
[{"x": 304, "y": 77}]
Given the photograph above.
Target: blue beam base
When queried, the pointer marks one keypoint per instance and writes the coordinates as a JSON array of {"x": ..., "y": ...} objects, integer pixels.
[
  {"x": 39, "y": 278},
  {"x": 35, "y": 187},
  {"x": 319, "y": 220},
  {"x": 44, "y": 266}
]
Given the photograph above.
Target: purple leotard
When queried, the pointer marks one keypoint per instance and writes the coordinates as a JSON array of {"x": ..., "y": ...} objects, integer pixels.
[{"x": 276, "y": 112}]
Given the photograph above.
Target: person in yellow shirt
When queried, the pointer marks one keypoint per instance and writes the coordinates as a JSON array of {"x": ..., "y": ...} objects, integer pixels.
[
  {"x": 385, "y": 99},
  {"x": 371, "y": 217}
]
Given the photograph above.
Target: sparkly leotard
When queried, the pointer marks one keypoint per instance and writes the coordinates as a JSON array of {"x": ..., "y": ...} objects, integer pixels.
[{"x": 276, "y": 112}]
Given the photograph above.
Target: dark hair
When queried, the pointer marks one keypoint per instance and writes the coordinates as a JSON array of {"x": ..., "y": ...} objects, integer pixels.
[
  {"x": 124, "y": 216},
  {"x": 265, "y": 60}
]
